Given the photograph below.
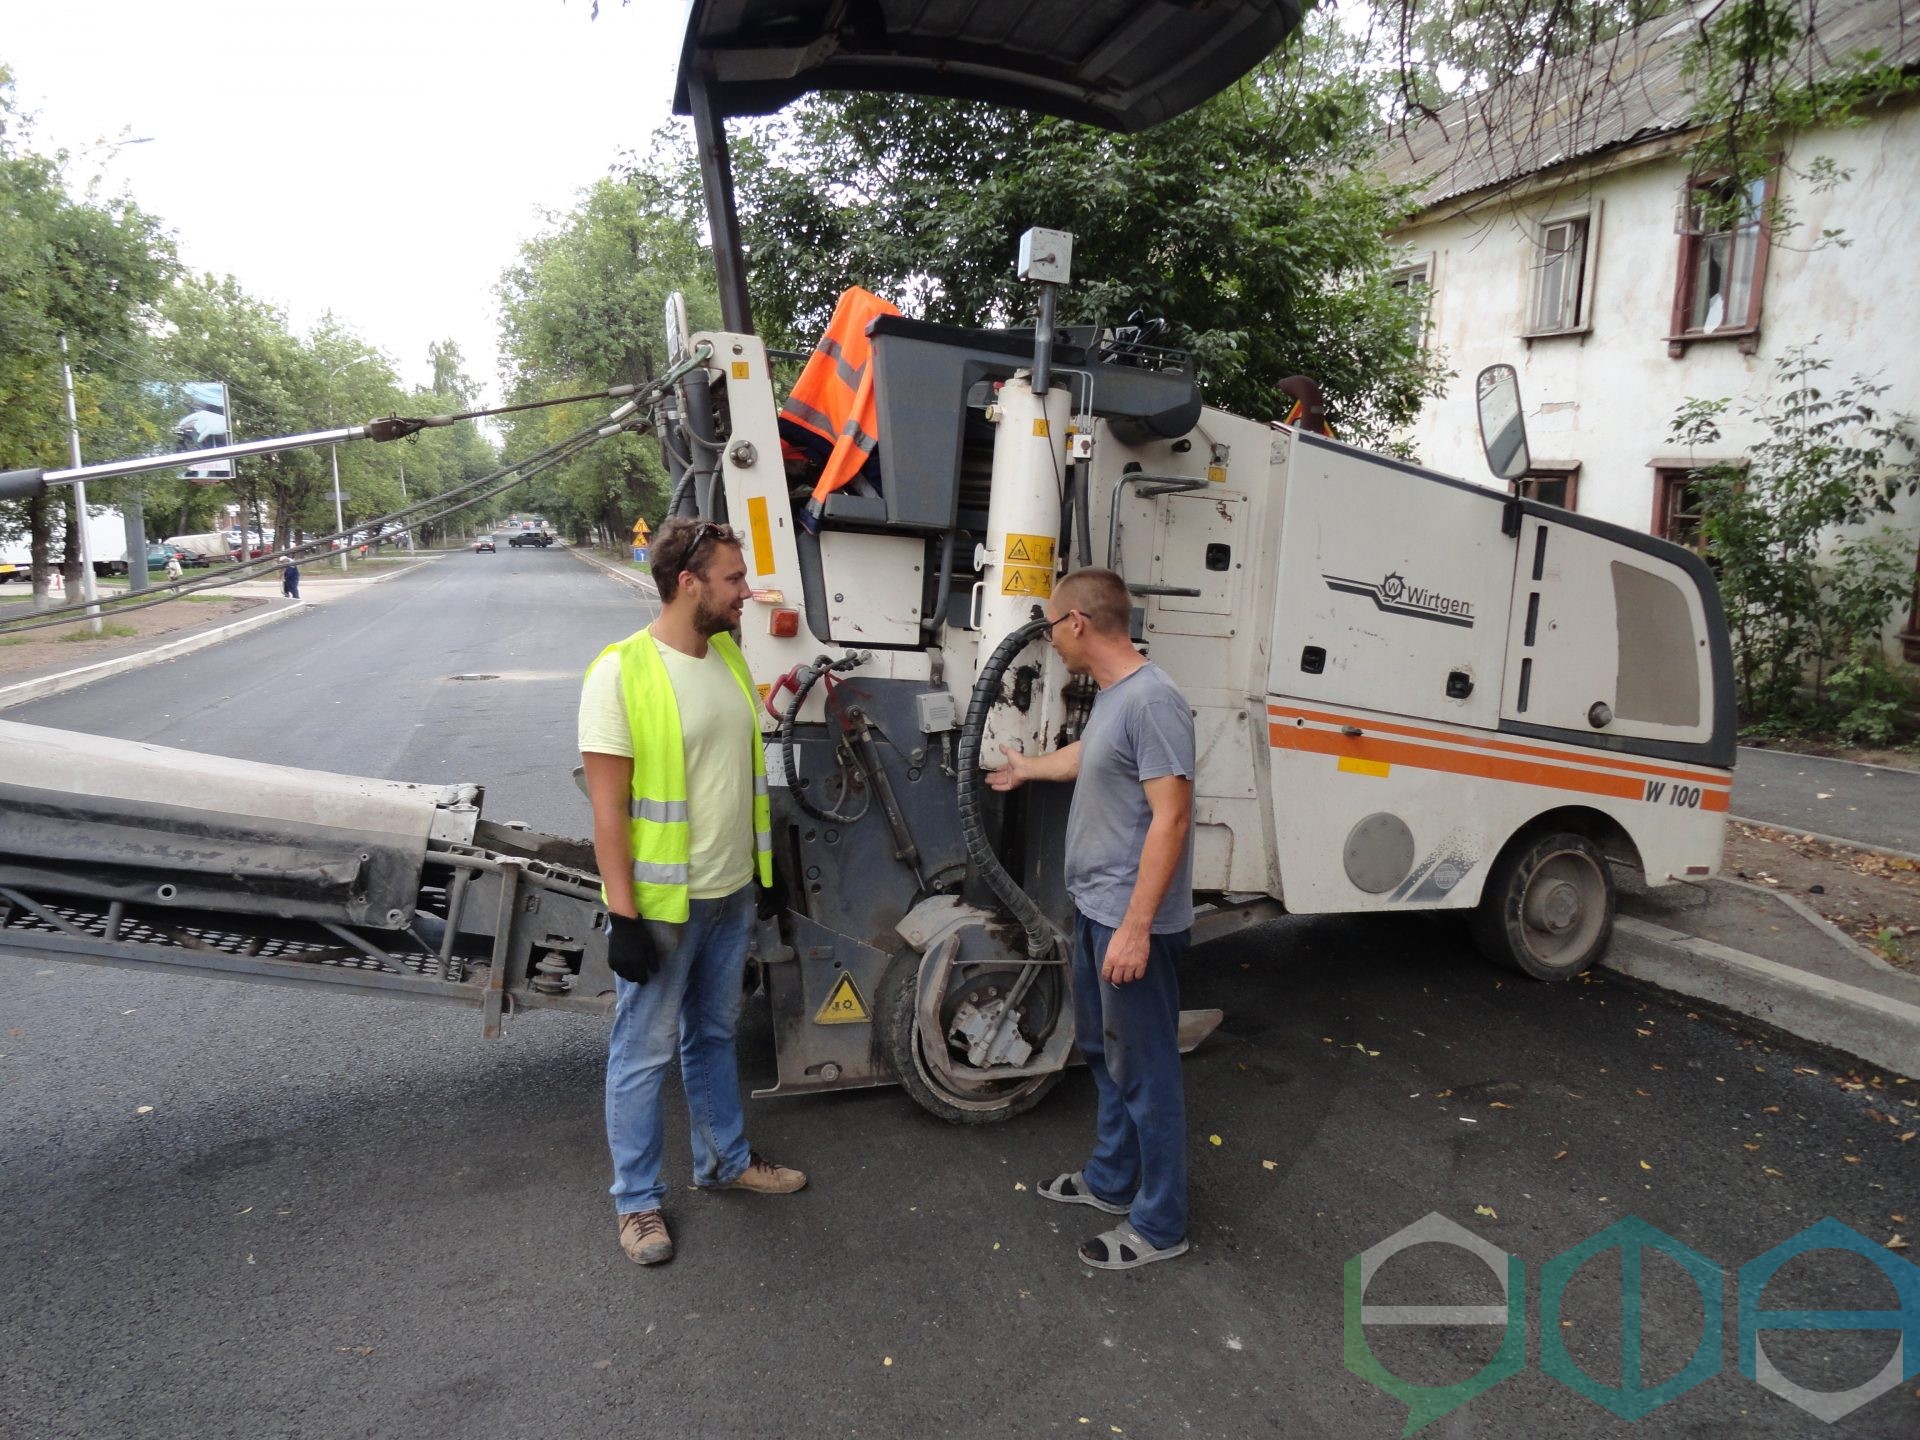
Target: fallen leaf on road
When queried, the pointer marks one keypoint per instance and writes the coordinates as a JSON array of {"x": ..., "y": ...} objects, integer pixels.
[
  {"x": 1363, "y": 1049},
  {"x": 1443, "y": 1094},
  {"x": 603, "y": 1364},
  {"x": 1643, "y": 1094},
  {"x": 1771, "y": 1110},
  {"x": 143, "y": 1109},
  {"x": 1498, "y": 1105},
  {"x": 1268, "y": 1165},
  {"x": 1645, "y": 1166},
  {"x": 1213, "y": 1139},
  {"x": 1823, "y": 795},
  {"x": 996, "y": 1244},
  {"x": 1749, "y": 1148},
  {"x": 1486, "y": 1210},
  {"x": 1898, "y": 1242},
  {"x": 247, "y": 1211},
  {"x": 1018, "y": 1185},
  {"x": 1898, "y": 1219},
  {"x": 1561, "y": 1156},
  {"x": 1769, "y": 1170},
  {"x": 1851, "y": 1159},
  {"x": 1643, "y": 1032},
  {"x": 1805, "y": 1070},
  {"x": 361, "y": 1350},
  {"x": 1908, "y": 1136},
  {"x": 887, "y": 1360}
]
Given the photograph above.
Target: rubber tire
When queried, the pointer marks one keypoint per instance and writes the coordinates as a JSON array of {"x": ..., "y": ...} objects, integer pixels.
[
  {"x": 1497, "y": 928},
  {"x": 894, "y": 1019}
]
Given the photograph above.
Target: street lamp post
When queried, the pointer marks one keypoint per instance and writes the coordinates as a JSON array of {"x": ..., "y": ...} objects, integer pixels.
[{"x": 339, "y": 519}]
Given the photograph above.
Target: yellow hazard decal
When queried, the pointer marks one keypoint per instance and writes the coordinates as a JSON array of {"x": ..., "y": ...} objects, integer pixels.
[
  {"x": 1034, "y": 580},
  {"x": 764, "y": 690},
  {"x": 1354, "y": 765},
  {"x": 741, "y": 370},
  {"x": 1040, "y": 426},
  {"x": 1216, "y": 474},
  {"x": 844, "y": 1006},
  {"x": 1029, "y": 549}
]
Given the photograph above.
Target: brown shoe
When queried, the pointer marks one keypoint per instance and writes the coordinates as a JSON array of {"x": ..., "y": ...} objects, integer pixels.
[
  {"x": 643, "y": 1235},
  {"x": 763, "y": 1177}
]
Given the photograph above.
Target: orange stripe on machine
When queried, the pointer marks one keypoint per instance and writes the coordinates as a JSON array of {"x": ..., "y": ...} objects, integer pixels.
[
  {"x": 1488, "y": 766},
  {"x": 1594, "y": 758}
]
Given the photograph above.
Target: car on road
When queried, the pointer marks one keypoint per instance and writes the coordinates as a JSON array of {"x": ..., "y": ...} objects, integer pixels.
[
  {"x": 158, "y": 555},
  {"x": 529, "y": 537},
  {"x": 484, "y": 546}
]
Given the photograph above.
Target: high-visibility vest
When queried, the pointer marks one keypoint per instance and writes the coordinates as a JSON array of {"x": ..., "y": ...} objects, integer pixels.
[
  {"x": 661, "y": 830},
  {"x": 832, "y": 414}
]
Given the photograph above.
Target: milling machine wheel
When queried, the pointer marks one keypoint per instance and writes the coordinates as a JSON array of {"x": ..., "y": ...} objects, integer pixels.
[
  {"x": 1548, "y": 908},
  {"x": 958, "y": 1103}
]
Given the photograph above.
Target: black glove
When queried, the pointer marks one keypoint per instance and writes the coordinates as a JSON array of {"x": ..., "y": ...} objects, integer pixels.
[{"x": 630, "y": 950}]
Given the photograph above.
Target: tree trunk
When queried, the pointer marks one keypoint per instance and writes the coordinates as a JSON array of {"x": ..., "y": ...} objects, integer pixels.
[{"x": 39, "y": 531}]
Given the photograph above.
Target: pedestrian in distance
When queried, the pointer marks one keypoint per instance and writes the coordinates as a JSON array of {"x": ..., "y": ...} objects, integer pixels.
[
  {"x": 173, "y": 567},
  {"x": 1129, "y": 869},
  {"x": 290, "y": 581},
  {"x": 670, "y": 740}
]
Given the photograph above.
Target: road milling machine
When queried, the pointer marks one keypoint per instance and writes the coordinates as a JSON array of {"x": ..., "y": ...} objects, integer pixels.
[{"x": 1410, "y": 692}]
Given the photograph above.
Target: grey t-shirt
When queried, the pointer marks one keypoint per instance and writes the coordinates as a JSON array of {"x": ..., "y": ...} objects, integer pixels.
[{"x": 1141, "y": 729}]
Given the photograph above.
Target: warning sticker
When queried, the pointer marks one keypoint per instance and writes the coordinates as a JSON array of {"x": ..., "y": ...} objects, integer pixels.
[
  {"x": 1034, "y": 580},
  {"x": 741, "y": 370},
  {"x": 844, "y": 1006},
  {"x": 1040, "y": 426},
  {"x": 1029, "y": 549}
]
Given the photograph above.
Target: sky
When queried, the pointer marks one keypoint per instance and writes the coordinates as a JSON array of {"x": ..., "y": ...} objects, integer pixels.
[{"x": 380, "y": 160}]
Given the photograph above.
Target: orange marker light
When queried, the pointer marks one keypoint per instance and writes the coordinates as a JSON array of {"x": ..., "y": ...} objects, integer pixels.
[{"x": 783, "y": 624}]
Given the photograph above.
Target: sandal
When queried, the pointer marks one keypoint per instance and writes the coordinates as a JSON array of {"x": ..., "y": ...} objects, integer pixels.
[
  {"x": 1121, "y": 1248},
  {"x": 1072, "y": 1190}
]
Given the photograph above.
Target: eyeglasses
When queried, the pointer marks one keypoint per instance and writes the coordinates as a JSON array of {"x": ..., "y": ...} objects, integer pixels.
[{"x": 1064, "y": 614}]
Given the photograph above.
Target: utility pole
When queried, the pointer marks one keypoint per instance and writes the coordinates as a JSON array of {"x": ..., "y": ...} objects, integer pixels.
[
  {"x": 403, "y": 505},
  {"x": 88, "y": 591}
]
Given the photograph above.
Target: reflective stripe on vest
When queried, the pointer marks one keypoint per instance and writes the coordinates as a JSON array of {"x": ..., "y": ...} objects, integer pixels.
[{"x": 659, "y": 826}]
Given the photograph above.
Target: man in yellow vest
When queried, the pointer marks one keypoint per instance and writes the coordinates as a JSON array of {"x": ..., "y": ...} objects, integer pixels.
[{"x": 670, "y": 736}]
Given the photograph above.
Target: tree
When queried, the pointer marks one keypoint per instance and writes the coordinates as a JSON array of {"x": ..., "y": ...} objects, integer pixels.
[
  {"x": 1804, "y": 584},
  {"x": 1251, "y": 225},
  {"x": 582, "y": 309},
  {"x": 88, "y": 269}
]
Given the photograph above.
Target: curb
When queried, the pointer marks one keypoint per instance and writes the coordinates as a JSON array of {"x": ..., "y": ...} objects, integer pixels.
[
  {"x": 1878, "y": 1029},
  {"x": 1819, "y": 922},
  {"x": 67, "y": 680},
  {"x": 639, "y": 582}
]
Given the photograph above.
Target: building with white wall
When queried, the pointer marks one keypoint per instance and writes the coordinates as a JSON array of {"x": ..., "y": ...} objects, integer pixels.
[{"x": 1565, "y": 239}]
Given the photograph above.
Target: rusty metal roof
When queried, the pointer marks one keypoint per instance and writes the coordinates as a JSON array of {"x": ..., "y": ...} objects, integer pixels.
[
  {"x": 1625, "y": 91},
  {"x": 1120, "y": 64}
]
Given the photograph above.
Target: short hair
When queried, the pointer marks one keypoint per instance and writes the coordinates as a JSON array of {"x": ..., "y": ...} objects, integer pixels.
[
  {"x": 684, "y": 543},
  {"x": 1101, "y": 596}
]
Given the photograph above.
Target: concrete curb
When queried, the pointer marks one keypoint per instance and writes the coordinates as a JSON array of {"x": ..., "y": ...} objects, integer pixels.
[
  {"x": 66, "y": 680},
  {"x": 45, "y": 685},
  {"x": 639, "y": 582},
  {"x": 1877, "y": 1028}
]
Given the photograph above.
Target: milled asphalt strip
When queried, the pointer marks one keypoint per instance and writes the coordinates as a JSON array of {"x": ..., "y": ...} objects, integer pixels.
[
  {"x": 1877, "y": 1028},
  {"x": 45, "y": 685}
]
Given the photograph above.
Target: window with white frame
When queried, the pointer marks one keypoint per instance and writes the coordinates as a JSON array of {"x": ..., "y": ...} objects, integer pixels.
[
  {"x": 1416, "y": 278},
  {"x": 1562, "y": 275}
]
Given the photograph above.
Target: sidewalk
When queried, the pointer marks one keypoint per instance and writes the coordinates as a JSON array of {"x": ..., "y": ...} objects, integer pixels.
[
  {"x": 618, "y": 569},
  {"x": 1766, "y": 955},
  {"x": 315, "y": 589}
]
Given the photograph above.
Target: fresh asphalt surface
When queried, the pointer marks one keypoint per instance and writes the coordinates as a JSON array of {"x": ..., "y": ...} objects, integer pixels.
[
  {"x": 1872, "y": 803},
  {"x": 349, "y": 1216}
]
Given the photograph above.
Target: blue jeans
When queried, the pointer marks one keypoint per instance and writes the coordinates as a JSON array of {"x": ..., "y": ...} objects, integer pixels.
[
  {"x": 1130, "y": 1036},
  {"x": 692, "y": 1004}
]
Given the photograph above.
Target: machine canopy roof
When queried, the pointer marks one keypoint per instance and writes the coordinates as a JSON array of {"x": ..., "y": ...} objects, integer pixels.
[{"x": 1120, "y": 64}]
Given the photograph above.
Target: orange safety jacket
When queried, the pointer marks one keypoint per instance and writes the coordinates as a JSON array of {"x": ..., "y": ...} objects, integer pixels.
[{"x": 832, "y": 415}]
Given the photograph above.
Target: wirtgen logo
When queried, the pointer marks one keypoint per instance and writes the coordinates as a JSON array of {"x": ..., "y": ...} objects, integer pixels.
[
  {"x": 1397, "y": 596},
  {"x": 1635, "y": 1239}
]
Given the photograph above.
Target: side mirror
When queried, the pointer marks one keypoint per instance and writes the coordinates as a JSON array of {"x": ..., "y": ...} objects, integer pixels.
[{"x": 1503, "y": 428}]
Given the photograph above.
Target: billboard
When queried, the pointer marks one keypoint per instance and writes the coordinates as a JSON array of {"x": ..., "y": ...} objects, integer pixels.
[{"x": 197, "y": 415}]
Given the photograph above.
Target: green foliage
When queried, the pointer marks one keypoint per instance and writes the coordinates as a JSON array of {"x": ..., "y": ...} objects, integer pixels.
[
  {"x": 1870, "y": 700},
  {"x": 1804, "y": 584},
  {"x": 1252, "y": 225},
  {"x": 583, "y": 309}
]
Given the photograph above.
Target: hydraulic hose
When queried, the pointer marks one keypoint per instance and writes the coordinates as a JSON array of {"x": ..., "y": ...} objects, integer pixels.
[
  {"x": 810, "y": 675},
  {"x": 1041, "y": 938}
]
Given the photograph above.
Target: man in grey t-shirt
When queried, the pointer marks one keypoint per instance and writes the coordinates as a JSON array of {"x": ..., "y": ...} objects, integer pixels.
[{"x": 1129, "y": 868}]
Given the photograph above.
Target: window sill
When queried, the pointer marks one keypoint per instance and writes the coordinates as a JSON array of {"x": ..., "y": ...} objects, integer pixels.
[
  {"x": 1747, "y": 336},
  {"x": 1579, "y": 332}
]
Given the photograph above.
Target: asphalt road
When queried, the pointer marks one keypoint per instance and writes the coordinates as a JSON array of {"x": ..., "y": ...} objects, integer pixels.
[
  {"x": 1870, "y": 803},
  {"x": 348, "y": 1216}
]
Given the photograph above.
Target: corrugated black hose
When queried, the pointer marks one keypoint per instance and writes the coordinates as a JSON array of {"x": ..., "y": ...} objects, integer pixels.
[
  {"x": 1042, "y": 939},
  {"x": 810, "y": 676}
]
